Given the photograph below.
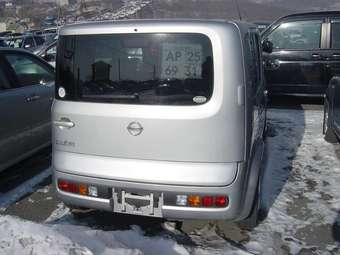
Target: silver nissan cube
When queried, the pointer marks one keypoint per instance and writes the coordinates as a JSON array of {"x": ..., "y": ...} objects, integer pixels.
[{"x": 162, "y": 118}]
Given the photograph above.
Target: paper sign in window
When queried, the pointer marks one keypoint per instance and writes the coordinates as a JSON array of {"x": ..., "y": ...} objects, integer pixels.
[{"x": 181, "y": 61}]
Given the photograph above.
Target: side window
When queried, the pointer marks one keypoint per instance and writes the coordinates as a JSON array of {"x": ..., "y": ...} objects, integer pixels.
[
  {"x": 29, "y": 43},
  {"x": 297, "y": 35},
  {"x": 335, "y": 35},
  {"x": 39, "y": 40},
  {"x": 4, "y": 82},
  {"x": 28, "y": 70},
  {"x": 255, "y": 62},
  {"x": 52, "y": 50}
]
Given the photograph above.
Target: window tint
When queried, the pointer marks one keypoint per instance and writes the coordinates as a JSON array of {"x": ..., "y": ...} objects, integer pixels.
[
  {"x": 170, "y": 69},
  {"x": 52, "y": 50},
  {"x": 3, "y": 43},
  {"x": 255, "y": 68},
  {"x": 29, "y": 43},
  {"x": 28, "y": 70},
  {"x": 335, "y": 41},
  {"x": 39, "y": 40},
  {"x": 297, "y": 35},
  {"x": 4, "y": 82}
]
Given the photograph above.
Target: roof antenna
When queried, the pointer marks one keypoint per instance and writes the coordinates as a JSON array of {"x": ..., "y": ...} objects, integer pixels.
[{"x": 238, "y": 10}]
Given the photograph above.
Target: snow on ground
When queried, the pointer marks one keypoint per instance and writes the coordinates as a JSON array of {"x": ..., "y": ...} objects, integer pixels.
[
  {"x": 301, "y": 191},
  {"x": 301, "y": 187}
]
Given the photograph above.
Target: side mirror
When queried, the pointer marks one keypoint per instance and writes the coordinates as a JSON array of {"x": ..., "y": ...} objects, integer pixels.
[
  {"x": 27, "y": 46},
  {"x": 267, "y": 46}
]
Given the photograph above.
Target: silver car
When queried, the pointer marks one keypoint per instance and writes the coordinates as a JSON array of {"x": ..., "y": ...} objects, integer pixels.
[
  {"x": 26, "y": 94},
  {"x": 160, "y": 118}
]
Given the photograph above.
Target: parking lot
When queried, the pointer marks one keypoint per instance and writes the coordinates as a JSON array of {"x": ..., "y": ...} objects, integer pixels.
[{"x": 301, "y": 201}]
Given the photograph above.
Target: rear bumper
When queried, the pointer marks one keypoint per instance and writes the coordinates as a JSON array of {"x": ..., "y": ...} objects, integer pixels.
[
  {"x": 234, "y": 191},
  {"x": 146, "y": 171}
]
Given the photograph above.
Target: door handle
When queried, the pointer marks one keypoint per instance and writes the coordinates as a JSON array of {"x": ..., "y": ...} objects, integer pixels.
[
  {"x": 32, "y": 98},
  {"x": 316, "y": 56},
  {"x": 64, "y": 123},
  {"x": 335, "y": 55}
]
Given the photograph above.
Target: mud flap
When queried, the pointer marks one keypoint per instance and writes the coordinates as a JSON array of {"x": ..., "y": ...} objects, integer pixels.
[{"x": 253, "y": 181}]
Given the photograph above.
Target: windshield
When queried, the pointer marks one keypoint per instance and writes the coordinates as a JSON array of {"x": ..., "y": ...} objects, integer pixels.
[{"x": 170, "y": 69}]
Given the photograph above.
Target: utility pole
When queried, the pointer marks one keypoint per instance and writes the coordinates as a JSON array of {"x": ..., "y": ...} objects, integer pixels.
[{"x": 238, "y": 9}]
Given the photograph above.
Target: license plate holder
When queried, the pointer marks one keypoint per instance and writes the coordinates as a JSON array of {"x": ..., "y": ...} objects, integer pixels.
[{"x": 131, "y": 203}]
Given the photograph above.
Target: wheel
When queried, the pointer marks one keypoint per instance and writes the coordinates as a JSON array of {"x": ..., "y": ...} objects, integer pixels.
[{"x": 330, "y": 136}]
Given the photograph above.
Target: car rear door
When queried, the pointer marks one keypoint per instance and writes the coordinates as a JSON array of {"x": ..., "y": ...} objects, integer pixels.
[
  {"x": 38, "y": 78},
  {"x": 333, "y": 66},
  {"x": 296, "y": 64},
  {"x": 333, "y": 51},
  {"x": 16, "y": 122}
]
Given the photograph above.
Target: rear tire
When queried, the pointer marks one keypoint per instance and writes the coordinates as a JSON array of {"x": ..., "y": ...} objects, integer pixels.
[{"x": 330, "y": 136}]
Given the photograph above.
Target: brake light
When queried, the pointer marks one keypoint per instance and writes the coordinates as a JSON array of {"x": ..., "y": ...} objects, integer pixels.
[
  {"x": 207, "y": 201},
  {"x": 67, "y": 186},
  {"x": 221, "y": 201},
  {"x": 63, "y": 185}
]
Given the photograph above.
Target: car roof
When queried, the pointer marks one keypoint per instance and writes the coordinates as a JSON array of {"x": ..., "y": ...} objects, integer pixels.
[
  {"x": 9, "y": 49},
  {"x": 301, "y": 15},
  {"x": 312, "y": 14},
  {"x": 94, "y": 26}
]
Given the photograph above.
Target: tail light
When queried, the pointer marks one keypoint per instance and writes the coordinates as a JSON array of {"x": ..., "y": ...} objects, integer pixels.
[
  {"x": 208, "y": 201},
  {"x": 202, "y": 201},
  {"x": 194, "y": 201},
  {"x": 221, "y": 201},
  {"x": 77, "y": 188},
  {"x": 67, "y": 186}
]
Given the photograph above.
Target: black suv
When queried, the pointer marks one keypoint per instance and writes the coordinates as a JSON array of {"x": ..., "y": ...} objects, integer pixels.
[{"x": 306, "y": 53}]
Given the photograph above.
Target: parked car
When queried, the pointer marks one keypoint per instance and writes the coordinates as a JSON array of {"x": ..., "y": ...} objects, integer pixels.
[
  {"x": 262, "y": 25},
  {"x": 50, "y": 38},
  {"x": 306, "y": 53},
  {"x": 3, "y": 43},
  {"x": 331, "y": 122},
  {"x": 29, "y": 42},
  {"x": 26, "y": 94},
  {"x": 160, "y": 118},
  {"x": 48, "y": 53}
]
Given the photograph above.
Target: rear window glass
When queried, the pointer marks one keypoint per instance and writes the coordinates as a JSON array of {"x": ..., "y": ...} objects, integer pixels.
[{"x": 166, "y": 69}]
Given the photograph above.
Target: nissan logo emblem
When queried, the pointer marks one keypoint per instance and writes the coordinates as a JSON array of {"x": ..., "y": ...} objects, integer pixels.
[{"x": 135, "y": 128}]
